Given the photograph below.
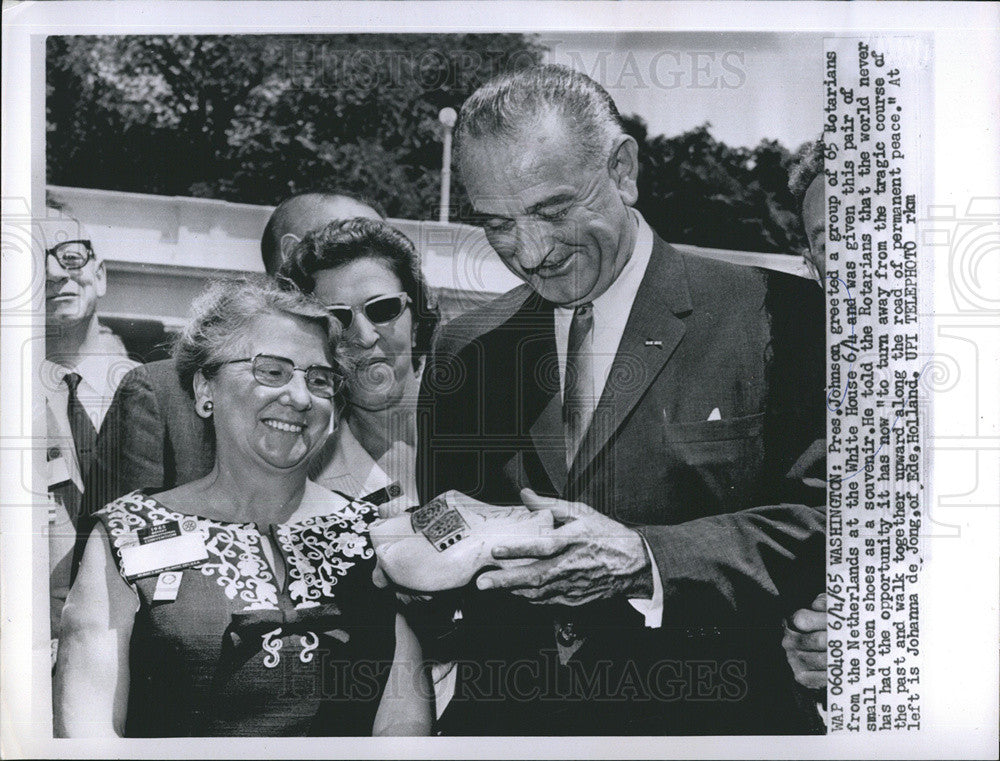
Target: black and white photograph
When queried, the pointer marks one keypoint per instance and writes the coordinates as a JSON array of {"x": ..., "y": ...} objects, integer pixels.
[{"x": 577, "y": 388}]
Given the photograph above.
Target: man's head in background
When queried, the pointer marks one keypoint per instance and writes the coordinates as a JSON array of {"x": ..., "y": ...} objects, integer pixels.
[
  {"x": 806, "y": 182},
  {"x": 75, "y": 277},
  {"x": 297, "y": 215},
  {"x": 548, "y": 166}
]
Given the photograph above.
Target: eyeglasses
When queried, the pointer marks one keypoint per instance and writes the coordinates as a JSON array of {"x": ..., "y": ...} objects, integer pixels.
[
  {"x": 380, "y": 310},
  {"x": 72, "y": 254},
  {"x": 275, "y": 372}
]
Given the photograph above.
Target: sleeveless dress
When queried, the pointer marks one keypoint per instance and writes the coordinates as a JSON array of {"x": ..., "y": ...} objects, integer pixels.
[{"x": 234, "y": 654}]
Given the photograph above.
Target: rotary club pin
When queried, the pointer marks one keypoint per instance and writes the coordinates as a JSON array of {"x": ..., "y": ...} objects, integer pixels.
[{"x": 168, "y": 584}]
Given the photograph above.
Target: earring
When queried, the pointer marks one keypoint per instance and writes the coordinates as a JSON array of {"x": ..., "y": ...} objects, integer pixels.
[{"x": 205, "y": 408}]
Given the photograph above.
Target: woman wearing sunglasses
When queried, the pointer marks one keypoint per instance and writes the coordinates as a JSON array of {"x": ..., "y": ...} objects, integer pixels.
[
  {"x": 368, "y": 276},
  {"x": 241, "y": 603}
]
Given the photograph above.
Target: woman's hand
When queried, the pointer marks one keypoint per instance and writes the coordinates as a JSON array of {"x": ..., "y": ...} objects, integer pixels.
[
  {"x": 394, "y": 506},
  {"x": 90, "y": 690}
]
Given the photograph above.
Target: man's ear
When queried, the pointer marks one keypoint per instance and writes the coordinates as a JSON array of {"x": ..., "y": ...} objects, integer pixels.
[
  {"x": 100, "y": 279},
  {"x": 287, "y": 243},
  {"x": 623, "y": 167}
]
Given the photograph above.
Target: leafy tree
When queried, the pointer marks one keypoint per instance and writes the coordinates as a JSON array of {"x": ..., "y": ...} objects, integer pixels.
[
  {"x": 694, "y": 189},
  {"x": 254, "y": 118}
]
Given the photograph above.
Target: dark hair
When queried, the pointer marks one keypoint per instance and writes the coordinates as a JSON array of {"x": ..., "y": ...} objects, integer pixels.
[
  {"x": 807, "y": 165},
  {"x": 270, "y": 239},
  {"x": 349, "y": 240},
  {"x": 226, "y": 310},
  {"x": 509, "y": 102}
]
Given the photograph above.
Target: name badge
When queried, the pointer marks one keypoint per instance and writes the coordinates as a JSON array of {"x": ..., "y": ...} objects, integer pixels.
[
  {"x": 167, "y": 546},
  {"x": 383, "y": 495},
  {"x": 58, "y": 469}
]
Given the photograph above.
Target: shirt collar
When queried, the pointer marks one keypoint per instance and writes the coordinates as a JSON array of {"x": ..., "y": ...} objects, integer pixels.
[
  {"x": 101, "y": 370},
  {"x": 349, "y": 458},
  {"x": 619, "y": 296}
]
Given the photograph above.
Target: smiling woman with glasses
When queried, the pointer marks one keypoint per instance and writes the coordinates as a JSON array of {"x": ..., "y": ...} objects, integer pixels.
[
  {"x": 275, "y": 372},
  {"x": 368, "y": 276},
  {"x": 192, "y": 606}
]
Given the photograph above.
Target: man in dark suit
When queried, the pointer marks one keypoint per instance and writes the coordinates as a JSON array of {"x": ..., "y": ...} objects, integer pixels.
[
  {"x": 805, "y": 630},
  {"x": 151, "y": 437},
  {"x": 656, "y": 403}
]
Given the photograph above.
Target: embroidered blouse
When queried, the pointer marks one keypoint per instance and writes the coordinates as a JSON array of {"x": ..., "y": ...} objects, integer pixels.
[{"x": 235, "y": 655}]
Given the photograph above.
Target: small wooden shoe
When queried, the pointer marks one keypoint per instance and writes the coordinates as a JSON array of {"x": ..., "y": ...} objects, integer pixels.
[{"x": 445, "y": 543}]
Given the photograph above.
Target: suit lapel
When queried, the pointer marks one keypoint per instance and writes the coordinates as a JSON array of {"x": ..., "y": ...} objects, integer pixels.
[
  {"x": 549, "y": 442},
  {"x": 651, "y": 334}
]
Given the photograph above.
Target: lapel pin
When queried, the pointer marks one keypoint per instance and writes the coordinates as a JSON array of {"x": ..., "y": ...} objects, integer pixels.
[{"x": 652, "y": 342}]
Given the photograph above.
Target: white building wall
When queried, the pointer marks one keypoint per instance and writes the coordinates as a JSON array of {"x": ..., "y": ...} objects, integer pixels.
[{"x": 161, "y": 250}]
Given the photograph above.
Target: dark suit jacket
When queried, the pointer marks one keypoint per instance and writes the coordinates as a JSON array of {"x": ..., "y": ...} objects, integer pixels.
[
  {"x": 151, "y": 437},
  {"x": 734, "y": 544}
]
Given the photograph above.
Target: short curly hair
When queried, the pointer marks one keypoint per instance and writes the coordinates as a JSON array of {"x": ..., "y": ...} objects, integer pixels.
[
  {"x": 348, "y": 240},
  {"x": 225, "y": 312},
  {"x": 807, "y": 165}
]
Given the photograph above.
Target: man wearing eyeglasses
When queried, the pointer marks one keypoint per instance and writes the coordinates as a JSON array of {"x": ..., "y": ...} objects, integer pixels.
[{"x": 82, "y": 367}]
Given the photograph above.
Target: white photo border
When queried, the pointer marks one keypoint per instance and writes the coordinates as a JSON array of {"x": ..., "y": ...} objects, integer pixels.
[{"x": 960, "y": 597}]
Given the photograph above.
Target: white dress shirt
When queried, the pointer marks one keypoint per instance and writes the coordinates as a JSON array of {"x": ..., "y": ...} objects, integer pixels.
[
  {"x": 611, "y": 312},
  {"x": 100, "y": 373}
]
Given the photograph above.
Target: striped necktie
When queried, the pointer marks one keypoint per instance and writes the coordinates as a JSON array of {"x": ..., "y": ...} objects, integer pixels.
[
  {"x": 578, "y": 390},
  {"x": 84, "y": 433}
]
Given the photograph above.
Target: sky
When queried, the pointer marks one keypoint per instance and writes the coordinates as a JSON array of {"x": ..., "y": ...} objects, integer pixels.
[{"x": 749, "y": 86}]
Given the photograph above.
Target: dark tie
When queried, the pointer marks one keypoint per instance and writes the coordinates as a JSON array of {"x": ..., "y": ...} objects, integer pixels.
[
  {"x": 578, "y": 391},
  {"x": 84, "y": 433}
]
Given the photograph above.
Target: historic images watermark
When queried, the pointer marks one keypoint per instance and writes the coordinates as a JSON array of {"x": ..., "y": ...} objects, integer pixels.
[
  {"x": 660, "y": 70},
  {"x": 320, "y": 65}
]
